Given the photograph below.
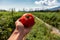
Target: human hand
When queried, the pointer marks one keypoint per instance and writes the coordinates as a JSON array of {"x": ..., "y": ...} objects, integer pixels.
[{"x": 21, "y": 29}]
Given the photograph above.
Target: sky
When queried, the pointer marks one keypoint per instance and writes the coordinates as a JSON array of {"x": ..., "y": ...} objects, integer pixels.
[{"x": 20, "y": 4}]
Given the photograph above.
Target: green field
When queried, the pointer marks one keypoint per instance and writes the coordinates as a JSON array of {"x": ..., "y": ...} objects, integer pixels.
[
  {"x": 38, "y": 32},
  {"x": 52, "y": 18}
]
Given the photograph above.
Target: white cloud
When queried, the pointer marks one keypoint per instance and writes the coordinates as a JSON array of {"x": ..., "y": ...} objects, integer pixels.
[
  {"x": 40, "y": 2},
  {"x": 49, "y": 3},
  {"x": 52, "y": 3}
]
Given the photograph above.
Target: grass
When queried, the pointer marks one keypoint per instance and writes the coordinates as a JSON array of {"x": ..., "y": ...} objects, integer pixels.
[
  {"x": 52, "y": 18},
  {"x": 38, "y": 32}
]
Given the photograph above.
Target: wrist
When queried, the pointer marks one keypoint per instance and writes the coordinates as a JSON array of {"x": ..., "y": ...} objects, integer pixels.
[
  {"x": 16, "y": 35},
  {"x": 20, "y": 34},
  {"x": 20, "y": 37}
]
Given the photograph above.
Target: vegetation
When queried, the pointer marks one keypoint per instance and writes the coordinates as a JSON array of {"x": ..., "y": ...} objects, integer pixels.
[
  {"x": 38, "y": 32},
  {"x": 52, "y": 18}
]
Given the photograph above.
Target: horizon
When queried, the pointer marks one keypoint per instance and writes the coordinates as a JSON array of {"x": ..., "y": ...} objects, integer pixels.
[{"x": 28, "y": 4}]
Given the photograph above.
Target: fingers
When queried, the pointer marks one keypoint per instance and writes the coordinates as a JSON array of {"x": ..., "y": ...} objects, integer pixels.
[
  {"x": 19, "y": 26},
  {"x": 18, "y": 23}
]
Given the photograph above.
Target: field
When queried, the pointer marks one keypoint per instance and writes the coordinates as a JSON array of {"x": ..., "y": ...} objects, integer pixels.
[
  {"x": 52, "y": 18},
  {"x": 38, "y": 32}
]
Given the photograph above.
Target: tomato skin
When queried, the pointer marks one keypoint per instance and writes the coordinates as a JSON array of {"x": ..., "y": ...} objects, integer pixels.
[{"x": 27, "y": 20}]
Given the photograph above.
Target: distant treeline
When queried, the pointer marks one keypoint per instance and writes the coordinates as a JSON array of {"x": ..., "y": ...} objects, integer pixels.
[
  {"x": 47, "y": 10},
  {"x": 36, "y": 11},
  {"x": 3, "y": 10}
]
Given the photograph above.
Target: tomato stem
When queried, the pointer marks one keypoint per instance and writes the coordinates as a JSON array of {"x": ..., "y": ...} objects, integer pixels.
[{"x": 27, "y": 16}]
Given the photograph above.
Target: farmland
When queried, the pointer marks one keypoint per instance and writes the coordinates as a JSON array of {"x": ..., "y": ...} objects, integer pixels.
[
  {"x": 38, "y": 32},
  {"x": 52, "y": 18}
]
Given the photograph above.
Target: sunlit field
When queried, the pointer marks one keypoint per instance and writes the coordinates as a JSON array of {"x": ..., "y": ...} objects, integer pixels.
[{"x": 39, "y": 30}]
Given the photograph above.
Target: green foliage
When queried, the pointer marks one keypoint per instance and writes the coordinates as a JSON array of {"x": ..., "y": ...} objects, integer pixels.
[
  {"x": 7, "y": 23},
  {"x": 38, "y": 32},
  {"x": 52, "y": 18}
]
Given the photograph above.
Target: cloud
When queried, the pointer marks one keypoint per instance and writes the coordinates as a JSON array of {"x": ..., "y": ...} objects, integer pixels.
[
  {"x": 47, "y": 2},
  {"x": 40, "y": 2}
]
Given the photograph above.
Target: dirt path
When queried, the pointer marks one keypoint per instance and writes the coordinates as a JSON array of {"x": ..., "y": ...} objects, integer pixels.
[{"x": 53, "y": 29}]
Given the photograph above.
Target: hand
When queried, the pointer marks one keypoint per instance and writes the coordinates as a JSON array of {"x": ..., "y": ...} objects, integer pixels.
[
  {"x": 19, "y": 32},
  {"x": 21, "y": 29}
]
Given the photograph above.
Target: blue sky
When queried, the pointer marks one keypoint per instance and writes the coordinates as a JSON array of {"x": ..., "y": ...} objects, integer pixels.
[{"x": 20, "y": 4}]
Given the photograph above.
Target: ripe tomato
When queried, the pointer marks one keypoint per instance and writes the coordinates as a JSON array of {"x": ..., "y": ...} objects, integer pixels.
[{"x": 27, "y": 20}]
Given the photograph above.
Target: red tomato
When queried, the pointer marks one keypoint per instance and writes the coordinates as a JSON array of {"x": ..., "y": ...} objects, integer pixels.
[{"x": 27, "y": 20}]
